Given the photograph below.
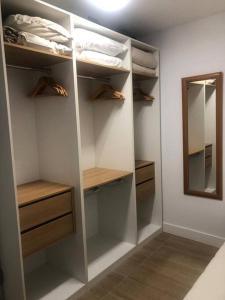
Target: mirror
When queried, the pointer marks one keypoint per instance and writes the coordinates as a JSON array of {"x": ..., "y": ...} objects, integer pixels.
[{"x": 202, "y": 135}]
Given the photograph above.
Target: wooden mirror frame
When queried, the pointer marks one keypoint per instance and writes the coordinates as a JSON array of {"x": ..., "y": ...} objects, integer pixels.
[{"x": 219, "y": 135}]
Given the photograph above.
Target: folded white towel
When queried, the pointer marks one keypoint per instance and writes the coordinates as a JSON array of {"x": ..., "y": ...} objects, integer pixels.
[
  {"x": 142, "y": 70},
  {"x": 40, "y": 27},
  {"x": 143, "y": 58},
  {"x": 34, "y": 41},
  {"x": 88, "y": 40},
  {"x": 100, "y": 58}
]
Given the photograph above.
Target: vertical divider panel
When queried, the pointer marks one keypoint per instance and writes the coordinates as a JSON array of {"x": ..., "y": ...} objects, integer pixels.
[
  {"x": 10, "y": 244},
  {"x": 81, "y": 192}
]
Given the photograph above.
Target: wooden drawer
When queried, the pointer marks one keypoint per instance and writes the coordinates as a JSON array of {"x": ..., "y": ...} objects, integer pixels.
[
  {"x": 144, "y": 190},
  {"x": 208, "y": 151},
  {"x": 145, "y": 173},
  {"x": 45, "y": 210},
  {"x": 46, "y": 235},
  {"x": 208, "y": 162}
]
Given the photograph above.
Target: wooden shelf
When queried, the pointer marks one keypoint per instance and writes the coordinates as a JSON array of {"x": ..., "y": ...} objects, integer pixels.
[
  {"x": 199, "y": 150},
  {"x": 34, "y": 191},
  {"x": 196, "y": 151},
  {"x": 142, "y": 163},
  {"x": 87, "y": 68},
  {"x": 96, "y": 177},
  {"x": 208, "y": 145},
  {"x": 142, "y": 76},
  {"x": 29, "y": 57}
]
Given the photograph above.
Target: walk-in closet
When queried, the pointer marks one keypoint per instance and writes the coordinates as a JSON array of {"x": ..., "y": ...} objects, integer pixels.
[{"x": 81, "y": 151}]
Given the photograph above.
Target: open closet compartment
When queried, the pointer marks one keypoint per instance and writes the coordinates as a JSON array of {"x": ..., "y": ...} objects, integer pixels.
[
  {"x": 99, "y": 51},
  {"x": 107, "y": 159},
  {"x": 147, "y": 140},
  {"x": 46, "y": 169}
]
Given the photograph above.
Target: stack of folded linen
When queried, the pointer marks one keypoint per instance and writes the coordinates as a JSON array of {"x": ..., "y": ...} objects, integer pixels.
[
  {"x": 37, "y": 33},
  {"x": 99, "y": 49},
  {"x": 143, "y": 62}
]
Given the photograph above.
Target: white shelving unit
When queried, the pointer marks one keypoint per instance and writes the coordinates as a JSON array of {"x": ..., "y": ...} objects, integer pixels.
[
  {"x": 107, "y": 142},
  {"x": 148, "y": 146},
  {"x": 89, "y": 145}
]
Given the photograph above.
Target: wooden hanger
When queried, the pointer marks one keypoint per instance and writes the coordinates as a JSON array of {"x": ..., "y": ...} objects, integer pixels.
[
  {"x": 139, "y": 95},
  {"x": 107, "y": 92},
  {"x": 49, "y": 87}
]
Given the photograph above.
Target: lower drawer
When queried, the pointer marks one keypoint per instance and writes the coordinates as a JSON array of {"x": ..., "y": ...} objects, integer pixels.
[
  {"x": 45, "y": 210},
  {"x": 145, "y": 190},
  {"x": 145, "y": 173},
  {"x": 46, "y": 235}
]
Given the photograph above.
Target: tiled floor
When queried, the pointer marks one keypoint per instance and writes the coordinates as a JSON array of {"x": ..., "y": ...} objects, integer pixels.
[{"x": 164, "y": 269}]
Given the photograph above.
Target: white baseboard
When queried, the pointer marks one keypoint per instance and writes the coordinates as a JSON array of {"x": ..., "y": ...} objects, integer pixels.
[{"x": 195, "y": 235}]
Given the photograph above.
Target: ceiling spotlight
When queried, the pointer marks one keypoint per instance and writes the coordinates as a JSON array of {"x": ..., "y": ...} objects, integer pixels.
[{"x": 109, "y": 5}]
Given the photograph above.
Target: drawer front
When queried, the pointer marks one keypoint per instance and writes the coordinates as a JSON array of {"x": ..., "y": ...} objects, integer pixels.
[
  {"x": 46, "y": 235},
  {"x": 208, "y": 162},
  {"x": 208, "y": 151},
  {"x": 45, "y": 210},
  {"x": 145, "y": 173},
  {"x": 145, "y": 190}
]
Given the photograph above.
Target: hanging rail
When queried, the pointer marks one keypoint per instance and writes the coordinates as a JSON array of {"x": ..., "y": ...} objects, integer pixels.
[
  {"x": 94, "y": 78},
  {"x": 45, "y": 70},
  {"x": 48, "y": 70}
]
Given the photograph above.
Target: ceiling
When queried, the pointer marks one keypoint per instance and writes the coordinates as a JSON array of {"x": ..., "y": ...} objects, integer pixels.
[{"x": 141, "y": 17}]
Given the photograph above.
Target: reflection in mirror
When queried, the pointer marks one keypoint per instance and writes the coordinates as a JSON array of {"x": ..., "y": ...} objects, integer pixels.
[{"x": 202, "y": 120}]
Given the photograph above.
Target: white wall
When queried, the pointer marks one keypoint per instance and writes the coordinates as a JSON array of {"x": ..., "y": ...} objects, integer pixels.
[{"x": 191, "y": 49}]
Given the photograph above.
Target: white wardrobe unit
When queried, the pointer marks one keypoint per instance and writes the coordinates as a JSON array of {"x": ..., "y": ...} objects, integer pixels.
[{"x": 78, "y": 147}]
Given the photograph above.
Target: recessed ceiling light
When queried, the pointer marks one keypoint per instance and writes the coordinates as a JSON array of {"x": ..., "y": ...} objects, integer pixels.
[{"x": 109, "y": 5}]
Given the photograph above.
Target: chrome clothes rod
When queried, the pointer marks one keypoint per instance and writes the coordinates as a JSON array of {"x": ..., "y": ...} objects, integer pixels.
[
  {"x": 93, "y": 78},
  {"x": 45, "y": 70}
]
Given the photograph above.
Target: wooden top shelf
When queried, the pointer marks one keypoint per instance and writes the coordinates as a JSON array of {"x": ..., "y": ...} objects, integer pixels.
[
  {"x": 142, "y": 163},
  {"x": 208, "y": 145},
  {"x": 196, "y": 151},
  {"x": 199, "y": 150},
  {"x": 142, "y": 76},
  {"x": 30, "y": 57},
  {"x": 38, "y": 190},
  {"x": 87, "y": 68},
  {"x": 96, "y": 177}
]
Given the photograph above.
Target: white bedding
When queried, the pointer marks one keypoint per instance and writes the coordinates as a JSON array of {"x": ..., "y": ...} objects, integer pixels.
[
  {"x": 100, "y": 58},
  {"x": 143, "y": 58},
  {"x": 211, "y": 284},
  {"x": 145, "y": 71},
  {"x": 37, "y": 42},
  {"x": 40, "y": 27},
  {"x": 88, "y": 40}
]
